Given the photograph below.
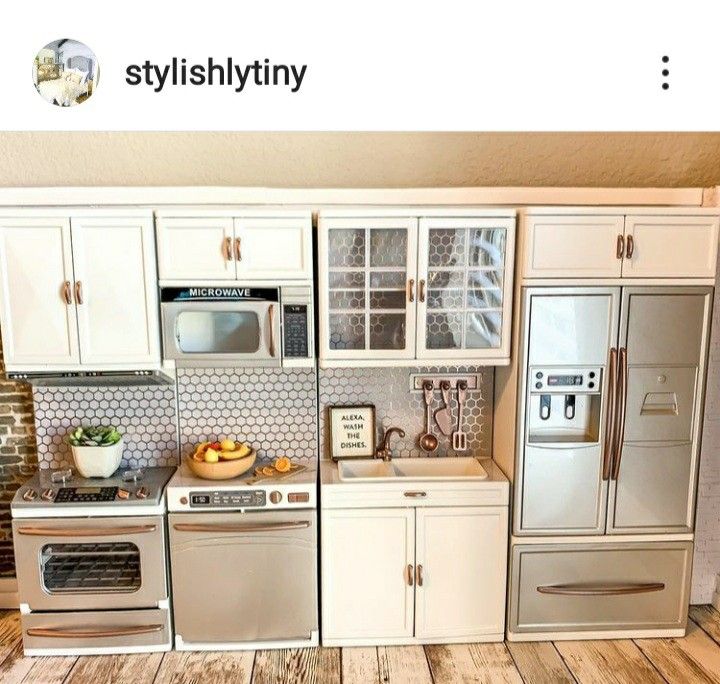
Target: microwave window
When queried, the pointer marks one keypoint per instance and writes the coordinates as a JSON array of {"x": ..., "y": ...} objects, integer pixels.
[{"x": 221, "y": 332}]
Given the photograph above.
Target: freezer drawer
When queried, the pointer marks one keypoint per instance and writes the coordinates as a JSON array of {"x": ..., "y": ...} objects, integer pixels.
[
  {"x": 599, "y": 587},
  {"x": 243, "y": 577},
  {"x": 88, "y": 632}
]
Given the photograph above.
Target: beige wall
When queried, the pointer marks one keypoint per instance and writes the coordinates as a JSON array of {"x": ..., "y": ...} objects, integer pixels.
[{"x": 360, "y": 159}]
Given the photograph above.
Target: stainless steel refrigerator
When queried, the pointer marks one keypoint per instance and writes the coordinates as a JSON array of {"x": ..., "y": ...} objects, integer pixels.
[{"x": 611, "y": 396}]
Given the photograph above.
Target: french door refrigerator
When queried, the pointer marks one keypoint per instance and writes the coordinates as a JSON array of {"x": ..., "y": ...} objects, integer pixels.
[{"x": 610, "y": 413}]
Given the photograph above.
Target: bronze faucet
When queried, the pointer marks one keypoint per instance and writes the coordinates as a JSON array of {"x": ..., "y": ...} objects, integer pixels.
[{"x": 383, "y": 450}]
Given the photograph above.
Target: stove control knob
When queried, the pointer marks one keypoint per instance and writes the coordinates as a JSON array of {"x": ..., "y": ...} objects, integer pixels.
[
  {"x": 123, "y": 494},
  {"x": 48, "y": 495},
  {"x": 275, "y": 497},
  {"x": 30, "y": 495},
  {"x": 142, "y": 493},
  {"x": 183, "y": 500}
]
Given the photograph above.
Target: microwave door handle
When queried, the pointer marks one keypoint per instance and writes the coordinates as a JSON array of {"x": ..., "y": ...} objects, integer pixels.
[{"x": 271, "y": 338}]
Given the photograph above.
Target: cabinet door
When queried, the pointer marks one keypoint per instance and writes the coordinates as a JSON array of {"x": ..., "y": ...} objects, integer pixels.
[
  {"x": 573, "y": 247},
  {"x": 39, "y": 326},
  {"x": 367, "y": 305},
  {"x": 195, "y": 249},
  {"x": 273, "y": 248},
  {"x": 465, "y": 269},
  {"x": 665, "y": 331},
  {"x": 670, "y": 246},
  {"x": 461, "y": 556},
  {"x": 367, "y": 573},
  {"x": 116, "y": 291}
]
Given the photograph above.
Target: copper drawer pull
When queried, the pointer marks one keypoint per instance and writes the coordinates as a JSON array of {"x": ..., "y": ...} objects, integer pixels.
[
  {"x": 85, "y": 531},
  {"x": 238, "y": 251},
  {"x": 57, "y": 633},
  {"x": 227, "y": 249},
  {"x": 605, "y": 589},
  {"x": 250, "y": 527},
  {"x": 411, "y": 290},
  {"x": 630, "y": 246},
  {"x": 622, "y": 405},
  {"x": 620, "y": 247},
  {"x": 419, "y": 575},
  {"x": 421, "y": 291},
  {"x": 609, "y": 441},
  {"x": 415, "y": 495},
  {"x": 78, "y": 292},
  {"x": 409, "y": 575},
  {"x": 67, "y": 292}
]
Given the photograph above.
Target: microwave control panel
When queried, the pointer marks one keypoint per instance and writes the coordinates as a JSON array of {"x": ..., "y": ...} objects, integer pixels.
[{"x": 295, "y": 332}]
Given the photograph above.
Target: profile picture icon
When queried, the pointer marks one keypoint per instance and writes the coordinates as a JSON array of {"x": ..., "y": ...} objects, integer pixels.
[{"x": 65, "y": 72}]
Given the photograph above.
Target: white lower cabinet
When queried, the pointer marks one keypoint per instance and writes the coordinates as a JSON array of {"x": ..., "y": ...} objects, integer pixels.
[{"x": 406, "y": 575}]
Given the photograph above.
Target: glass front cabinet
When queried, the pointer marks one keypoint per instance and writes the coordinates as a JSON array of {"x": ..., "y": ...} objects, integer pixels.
[{"x": 415, "y": 289}]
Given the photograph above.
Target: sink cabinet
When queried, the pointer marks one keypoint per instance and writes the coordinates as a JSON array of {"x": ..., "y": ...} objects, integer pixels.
[
  {"x": 416, "y": 289},
  {"x": 413, "y": 575}
]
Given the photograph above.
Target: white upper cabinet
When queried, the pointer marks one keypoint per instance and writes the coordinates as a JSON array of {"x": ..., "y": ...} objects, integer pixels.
[
  {"x": 670, "y": 246},
  {"x": 116, "y": 291},
  {"x": 79, "y": 292},
  {"x": 37, "y": 314},
  {"x": 652, "y": 246},
  {"x": 241, "y": 248},
  {"x": 407, "y": 290}
]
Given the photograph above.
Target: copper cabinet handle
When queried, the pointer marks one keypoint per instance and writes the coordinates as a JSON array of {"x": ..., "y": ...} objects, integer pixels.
[
  {"x": 630, "y": 246},
  {"x": 409, "y": 575},
  {"x": 601, "y": 589},
  {"x": 620, "y": 247},
  {"x": 271, "y": 340},
  {"x": 245, "y": 527},
  {"x": 609, "y": 441},
  {"x": 419, "y": 575},
  {"x": 57, "y": 633},
  {"x": 415, "y": 495},
  {"x": 238, "y": 251},
  {"x": 85, "y": 531},
  {"x": 227, "y": 249},
  {"x": 421, "y": 291},
  {"x": 411, "y": 290},
  {"x": 67, "y": 292},
  {"x": 78, "y": 292},
  {"x": 622, "y": 405}
]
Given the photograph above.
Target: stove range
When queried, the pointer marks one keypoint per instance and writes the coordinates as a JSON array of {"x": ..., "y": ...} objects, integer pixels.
[{"x": 63, "y": 493}]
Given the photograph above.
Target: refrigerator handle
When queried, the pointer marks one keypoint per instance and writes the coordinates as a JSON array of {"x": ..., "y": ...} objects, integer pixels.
[
  {"x": 608, "y": 442},
  {"x": 622, "y": 405}
]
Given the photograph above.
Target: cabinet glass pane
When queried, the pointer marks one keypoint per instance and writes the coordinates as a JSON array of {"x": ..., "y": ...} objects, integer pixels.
[
  {"x": 483, "y": 329},
  {"x": 388, "y": 279},
  {"x": 346, "y": 279},
  {"x": 387, "y": 331},
  {"x": 346, "y": 248},
  {"x": 445, "y": 299},
  {"x": 487, "y": 247},
  {"x": 388, "y": 247},
  {"x": 384, "y": 299},
  {"x": 444, "y": 330},
  {"x": 447, "y": 247},
  {"x": 347, "y": 331},
  {"x": 346, "y": 299},
  {"x": 484, "y": 289}
]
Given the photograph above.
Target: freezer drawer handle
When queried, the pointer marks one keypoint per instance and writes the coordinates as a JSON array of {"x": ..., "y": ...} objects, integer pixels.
[
  {"x": 608, "y": 589},
  {"x": 56, "y": 633},
  {"x": 249, "y": 527},
  {"x": 85, "y": 531}
]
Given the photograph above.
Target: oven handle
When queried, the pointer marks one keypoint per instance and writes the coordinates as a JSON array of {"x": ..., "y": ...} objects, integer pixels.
[
  {"x": 271, "y": 339},
  {"x": 57, "y": 633},
  {"x": 86, "y": 531},
  {"x": 246, "y": 527}
]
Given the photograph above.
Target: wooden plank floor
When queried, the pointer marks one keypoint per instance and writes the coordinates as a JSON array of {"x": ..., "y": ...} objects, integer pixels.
[{"x": 695, "y": 658}]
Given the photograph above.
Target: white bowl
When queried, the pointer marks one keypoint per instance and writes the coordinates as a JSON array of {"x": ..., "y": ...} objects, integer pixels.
[{"x": 97, "y": 461}]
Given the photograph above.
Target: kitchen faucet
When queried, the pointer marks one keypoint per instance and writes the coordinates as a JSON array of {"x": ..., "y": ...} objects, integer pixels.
[{"x": 383, "y": 450}]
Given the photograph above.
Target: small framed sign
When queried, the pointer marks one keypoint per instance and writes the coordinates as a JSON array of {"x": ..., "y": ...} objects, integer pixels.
[{"x": 352, "y": 431}]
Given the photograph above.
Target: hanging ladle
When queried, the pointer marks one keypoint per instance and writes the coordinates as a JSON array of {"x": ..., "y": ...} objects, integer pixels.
[{"x": 428, "y": 441}]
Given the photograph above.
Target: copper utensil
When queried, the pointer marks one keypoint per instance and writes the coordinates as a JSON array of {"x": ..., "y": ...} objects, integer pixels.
[
  {"x": 428, "y": 441},
  {"x": 443, "y": 418}
]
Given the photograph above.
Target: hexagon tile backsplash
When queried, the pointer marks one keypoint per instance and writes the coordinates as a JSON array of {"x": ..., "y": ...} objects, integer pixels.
[
  {"x": 388, "y": 389},
  {"x": 146, "y": 416}
]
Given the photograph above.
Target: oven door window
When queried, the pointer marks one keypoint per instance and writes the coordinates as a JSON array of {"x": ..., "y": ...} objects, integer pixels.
[
  {"x": 218, "y": 332},
  {"x": 90, "y": 568}
]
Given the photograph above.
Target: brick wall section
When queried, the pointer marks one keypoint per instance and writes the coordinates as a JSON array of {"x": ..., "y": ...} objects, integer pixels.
[{"x": 18, "y": 456}]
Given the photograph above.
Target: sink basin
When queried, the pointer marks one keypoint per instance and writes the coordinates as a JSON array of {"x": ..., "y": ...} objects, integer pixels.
[{"x": 412, "y": 469}]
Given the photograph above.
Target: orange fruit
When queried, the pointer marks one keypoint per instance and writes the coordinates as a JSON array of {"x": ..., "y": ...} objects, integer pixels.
[{"x": 282, "y": 464}]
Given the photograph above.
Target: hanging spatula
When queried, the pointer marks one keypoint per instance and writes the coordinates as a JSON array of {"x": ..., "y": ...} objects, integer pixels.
[
  {"x": 459, "y": 438},
  {"x": 442, "y": 416}
]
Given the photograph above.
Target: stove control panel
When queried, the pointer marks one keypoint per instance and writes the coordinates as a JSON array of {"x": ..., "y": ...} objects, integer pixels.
[
  {"x": 253, "y": 498},
  {"x": 86, "y": 494}
]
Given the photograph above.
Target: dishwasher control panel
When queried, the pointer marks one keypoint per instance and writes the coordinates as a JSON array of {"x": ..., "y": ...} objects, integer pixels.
[{"x": 247, "y": 498}]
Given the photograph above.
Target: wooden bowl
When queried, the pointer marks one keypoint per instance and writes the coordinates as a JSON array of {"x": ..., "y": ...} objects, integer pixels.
[{"x": 222, "y": 470}]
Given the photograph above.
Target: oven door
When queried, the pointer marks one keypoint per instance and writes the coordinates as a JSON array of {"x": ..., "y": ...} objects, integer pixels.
[
  {"x": 220, "y": 333},
  {"x": 90, "y": 563},
  {"x": 244, "y": 577}
]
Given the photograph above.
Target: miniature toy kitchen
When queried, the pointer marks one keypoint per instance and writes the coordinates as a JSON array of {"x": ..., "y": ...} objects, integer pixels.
[{"x": 272, "y": 426}]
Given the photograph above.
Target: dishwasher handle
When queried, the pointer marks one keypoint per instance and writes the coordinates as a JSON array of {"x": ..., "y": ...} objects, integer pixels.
[{"x": 242, "y": 527}]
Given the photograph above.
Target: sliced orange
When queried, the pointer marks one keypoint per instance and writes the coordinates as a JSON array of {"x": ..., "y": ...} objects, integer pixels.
[
  {"x": 282, "y": 464},
  {"x": 268, "y": 470}
]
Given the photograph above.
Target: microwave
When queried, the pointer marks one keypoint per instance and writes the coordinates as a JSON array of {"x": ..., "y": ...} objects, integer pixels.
[{"x": 235, "y": 325}]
